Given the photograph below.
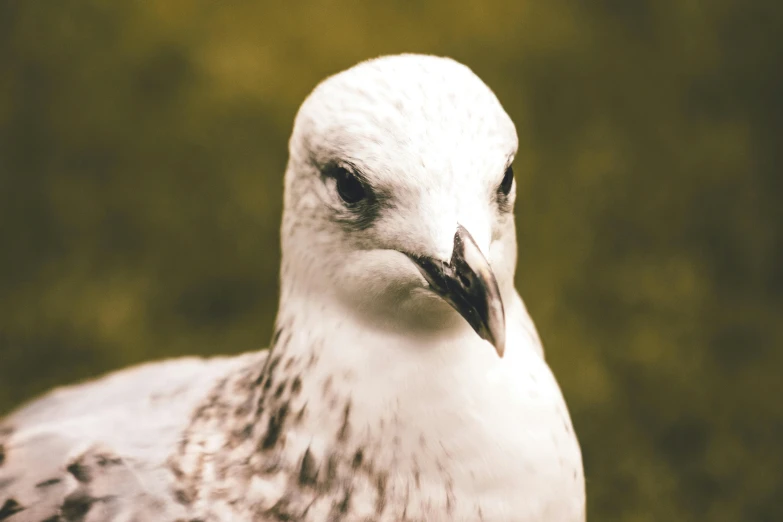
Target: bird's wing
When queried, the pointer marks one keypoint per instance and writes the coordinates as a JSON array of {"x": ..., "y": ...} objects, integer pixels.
[
  {"x": 97, "y": 451},
  {"x": 50, "y": 478}
]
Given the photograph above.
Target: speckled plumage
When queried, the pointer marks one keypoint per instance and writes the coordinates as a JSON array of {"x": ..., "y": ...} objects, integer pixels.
[{"x": 376, "y": 401}]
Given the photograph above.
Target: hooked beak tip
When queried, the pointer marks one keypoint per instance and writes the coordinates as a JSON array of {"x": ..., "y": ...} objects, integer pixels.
[
  {"x": 500, "y": 347},
  {"x": 468, "y": 284}
]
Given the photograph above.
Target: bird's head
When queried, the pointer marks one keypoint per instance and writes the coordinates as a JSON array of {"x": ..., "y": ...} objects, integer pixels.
[{"x": 399, "y": 196}]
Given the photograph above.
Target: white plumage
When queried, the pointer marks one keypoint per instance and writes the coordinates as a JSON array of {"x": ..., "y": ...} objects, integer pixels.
[{"x": 380, "y": 398}]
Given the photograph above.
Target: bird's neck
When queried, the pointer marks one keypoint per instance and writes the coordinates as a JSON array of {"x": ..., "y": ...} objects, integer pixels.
[{"x": 378, "y": 371}]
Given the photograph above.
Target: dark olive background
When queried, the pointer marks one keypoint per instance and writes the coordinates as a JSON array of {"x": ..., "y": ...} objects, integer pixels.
[{"x": 142, "y": 151}]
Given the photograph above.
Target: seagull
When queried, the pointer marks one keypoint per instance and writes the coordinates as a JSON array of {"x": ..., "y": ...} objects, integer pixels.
[{"x": 405, "y": 380}]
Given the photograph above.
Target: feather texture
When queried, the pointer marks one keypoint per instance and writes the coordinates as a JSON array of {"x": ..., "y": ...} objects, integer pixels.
[{"x": 98, "y": 451}]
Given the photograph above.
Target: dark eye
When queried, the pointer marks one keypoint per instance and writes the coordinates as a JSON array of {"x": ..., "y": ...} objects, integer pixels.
[
  {"x": 508, "y": 180},
  {"x": 349, "y": 188}
]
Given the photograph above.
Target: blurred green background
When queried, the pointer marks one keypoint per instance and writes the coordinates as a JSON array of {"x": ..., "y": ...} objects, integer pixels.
[{"x": 142, "y": 151}]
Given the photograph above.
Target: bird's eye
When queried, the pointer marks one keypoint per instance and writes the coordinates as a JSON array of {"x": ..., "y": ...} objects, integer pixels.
[
  {"x": 350, "y": 189},
  {"x": 508, "y": 180}
]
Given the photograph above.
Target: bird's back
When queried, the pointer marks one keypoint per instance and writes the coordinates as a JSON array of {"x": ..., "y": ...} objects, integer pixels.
[{"x": 97, "y": 451}]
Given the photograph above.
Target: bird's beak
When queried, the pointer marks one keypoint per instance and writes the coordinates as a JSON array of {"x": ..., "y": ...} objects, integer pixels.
[{"x": 468, "y": 284}]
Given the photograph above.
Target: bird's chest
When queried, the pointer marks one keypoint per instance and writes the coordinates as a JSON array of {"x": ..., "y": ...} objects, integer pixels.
[
  {"x": 501, "y": 453},
  {"x": 473, "y": 443},
  {"x": 497, "y": 451},
  {"x": 495, "y": 444},
  {"x": 385, "y": 482}
]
